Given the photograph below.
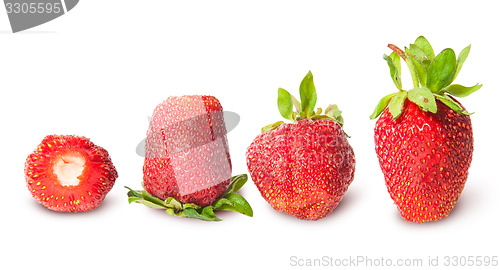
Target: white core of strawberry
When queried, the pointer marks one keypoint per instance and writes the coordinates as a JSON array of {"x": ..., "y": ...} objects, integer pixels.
[{"x": 68, "y": 168}]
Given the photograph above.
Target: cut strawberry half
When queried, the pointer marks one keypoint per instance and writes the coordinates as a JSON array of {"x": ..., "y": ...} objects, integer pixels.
[{"x": 67, "y": 173}]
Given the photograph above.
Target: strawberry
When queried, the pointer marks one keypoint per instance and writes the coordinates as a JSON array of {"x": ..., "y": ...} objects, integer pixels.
[
  {"x": 302, "y": 168},
  {"x": 423, "y": 138},
  {"x": 187, "y": 155},
  {"x": 187, "y": 166},
  {"x": 69, "y": 173}
]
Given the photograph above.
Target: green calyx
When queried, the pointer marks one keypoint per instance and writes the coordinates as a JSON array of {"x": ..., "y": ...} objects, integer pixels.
[
  {"x": 305, "y": 108},
  {"x": 432, "y": 76},
  {"x": 230, "y": 201}
]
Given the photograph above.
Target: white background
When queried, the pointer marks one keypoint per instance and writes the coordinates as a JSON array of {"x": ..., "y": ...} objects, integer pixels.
[{"x": 100, "y": 70}]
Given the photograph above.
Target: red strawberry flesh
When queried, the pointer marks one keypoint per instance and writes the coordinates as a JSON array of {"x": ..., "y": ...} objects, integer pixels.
[
  {"x": 304, "y": 168},
  {"x": 425, "y": 158},
  {"x": 69, "y": 173}
]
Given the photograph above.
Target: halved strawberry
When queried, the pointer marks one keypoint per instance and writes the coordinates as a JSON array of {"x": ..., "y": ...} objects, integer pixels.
[{"x": 67, "y": 173}]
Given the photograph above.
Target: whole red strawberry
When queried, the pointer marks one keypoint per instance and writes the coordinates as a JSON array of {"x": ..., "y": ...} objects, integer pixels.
[
  {"x": 187, "y": 155},
  {"x": 303, "y": 168},
  {"x": 423, "y": 137},
  {"x": 187, "y": 167},
  {"x": 69, "y": 173}
]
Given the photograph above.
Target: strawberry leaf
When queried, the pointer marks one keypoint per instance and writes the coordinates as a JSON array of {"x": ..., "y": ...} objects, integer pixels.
[
  {"x": 234, "y": 202},
  {"x": 432, "y": 77},
  {"x": 144, "y": 198},
  {"x": 285, "y": 104},
  {"x": 441, "y": 70},
  {"x": 394, "y": 68},
  {"x": 396, "y": 60},
  {"x": 424, "y": 98},
  {"x": 396, "y": 104},
  {"x": 296, "y": 104},
  {"x": 231, "y": 201},
  {"x": 172, "y": 203},
  {"x": 133, "y": 194},
  {"x": 207, "y": 214},
  {"x": 333, "y": 110},
  {"x": 308, "y": 95},
  {"x": 448, "y": 101},
  {"x": 335, "y": 113},
  {"x": 382, "y": 104},
  {"x": 461, "y": 59},
  {"x": 236, "y": 183},
  {"x": 424, "y": 44},
  {"x": 458, "y": 90},
  {"x": 420, "y": 71},
  {"x": 418, "y": 54},
  {"x": 272, "y": 126},
  {"x": 414, "y": 66}
]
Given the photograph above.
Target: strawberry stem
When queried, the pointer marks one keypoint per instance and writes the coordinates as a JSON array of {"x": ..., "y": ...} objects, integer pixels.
[{"x": 397, "y": 50}]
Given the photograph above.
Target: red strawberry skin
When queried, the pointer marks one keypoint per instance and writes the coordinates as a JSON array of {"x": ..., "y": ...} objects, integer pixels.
[
  {"x": 95, "y": 181},
  {"x": 425, "y": 159},
  {"x": 187, "y": 154},
  {"x": 303, "y": 168}
]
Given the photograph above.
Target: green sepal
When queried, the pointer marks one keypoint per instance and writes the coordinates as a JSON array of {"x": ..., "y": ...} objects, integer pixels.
[
  {"x": 461, "y": 59},
  {"x": 147, "y": 203},
  {"x": 296, "y": 104},
  {"x": 420, "y": 60},
  {"x": 414, "y": 67},
  {"x": 335, "y": 113},
  {"x": 133, "y": 195},
  {"x": 432, "y": 79},
  {"x": 305, "y": 108},
  {"x": 458, "y": 90},
  {"x": 285, "y": 104},
  {"x": 419, "y": 70},
  {"x": 424, "y": 44},
  {"x": 448, "y": 101},
  {"x": 327, "y": 117},
  {"x": 145, "y": 198},
  {"x": 419, "y": 55},
  {"x": 272, "y": 126},
  {"x": 396, "y": 104},
  {"x": 236, "y": 183},
  {"x": 308, "y": 95},
  {"x": 230, "y": 201},
  {"x": 234, "y": 202},
  {"x": 207, "y": 214},
  {"x": 382, "y": 104},
  {"x": 441, "y": 70},
  {"x": 394, "y": 62},
  {"x": 173, "y": 203},
  {"x": 424, "y": 98}
]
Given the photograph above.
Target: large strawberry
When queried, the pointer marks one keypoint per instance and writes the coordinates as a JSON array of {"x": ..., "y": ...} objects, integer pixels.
[
  {"x": 302, "y": 168},
  {"x": 187, "y": 163},
  {"x": 423, "y": 137},
  {"x": 69, "y": 173}
]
